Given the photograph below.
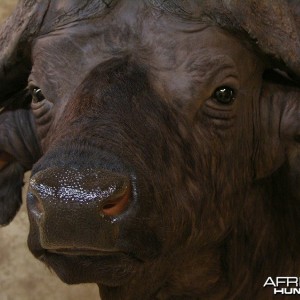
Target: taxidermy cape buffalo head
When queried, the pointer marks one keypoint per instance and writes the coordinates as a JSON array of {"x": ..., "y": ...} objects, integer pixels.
[{"x": 163, "y": 139}]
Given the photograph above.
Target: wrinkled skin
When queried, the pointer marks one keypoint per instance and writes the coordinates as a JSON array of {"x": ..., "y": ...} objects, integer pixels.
[{"x": 130, "y": 100}]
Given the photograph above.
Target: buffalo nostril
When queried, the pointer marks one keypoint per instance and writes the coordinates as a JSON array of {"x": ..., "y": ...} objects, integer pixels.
[
  {"x": 5, "y": 159},
  {"x": 35, "y": 205},
  {"x": 117, "y": 204}
]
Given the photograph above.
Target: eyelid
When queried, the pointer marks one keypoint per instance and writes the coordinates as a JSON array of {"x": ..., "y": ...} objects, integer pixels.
[
  {"x": 212, "y": 104},
  {"x": 231, "y": 81},
  {"x": 31, "y": 81},
  {"x": 224, "y": 74},
  {"x": 31, "y": 86},
  {"x": 218, "y": 114}
]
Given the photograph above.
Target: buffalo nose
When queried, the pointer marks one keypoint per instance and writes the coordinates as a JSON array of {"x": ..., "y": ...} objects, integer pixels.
[
  {"x": 78, "y": 209},
  {"x": 102, "y": 192}
]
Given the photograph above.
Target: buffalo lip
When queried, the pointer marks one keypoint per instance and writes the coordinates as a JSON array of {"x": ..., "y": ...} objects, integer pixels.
[
  {"x": 83, "y": 252},
  {"x": 113, "y": 269}
]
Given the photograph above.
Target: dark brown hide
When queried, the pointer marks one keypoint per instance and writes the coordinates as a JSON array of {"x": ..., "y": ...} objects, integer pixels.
[
  {"x": 17, "y": 156},
  {"x": 163, "y": 138}
]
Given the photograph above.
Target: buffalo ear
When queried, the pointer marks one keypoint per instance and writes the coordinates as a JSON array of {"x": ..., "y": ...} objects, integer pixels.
[
  {"x": 18, "y": 146},
  {"x": 19, "y": 150},
  {"x": 272, "y": 24},
  {"x": 290, "y": 136},
  {"x": 11, "y": 182},
  {"x": 278, "y": 132}
]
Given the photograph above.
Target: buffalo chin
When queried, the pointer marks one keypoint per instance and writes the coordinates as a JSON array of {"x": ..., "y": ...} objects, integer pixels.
[{"x": 111, "y": 270}]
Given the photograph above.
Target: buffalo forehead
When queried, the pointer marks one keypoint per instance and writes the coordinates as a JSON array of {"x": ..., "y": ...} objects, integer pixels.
[
  {"x": 167, "y": 46},
  {"x": 63, "y": 12}
]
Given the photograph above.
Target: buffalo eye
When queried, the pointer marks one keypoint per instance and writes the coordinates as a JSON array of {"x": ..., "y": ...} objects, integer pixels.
[
  {"x": 37, "y": 95},
  {"x": 224, "y": 95}
]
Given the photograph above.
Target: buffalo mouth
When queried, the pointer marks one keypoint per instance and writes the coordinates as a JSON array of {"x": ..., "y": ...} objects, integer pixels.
[{"x": 86, "y": 266}]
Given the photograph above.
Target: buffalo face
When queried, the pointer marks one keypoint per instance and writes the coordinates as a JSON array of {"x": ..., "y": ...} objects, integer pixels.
[
  {"x": 157, "y": 140},
  {"x": 148, "y": 137}
]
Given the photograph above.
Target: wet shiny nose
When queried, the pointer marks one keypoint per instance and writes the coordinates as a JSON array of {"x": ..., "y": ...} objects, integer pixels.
[
  {"x": 108, "y": 192},
  {"x": 72, "y": 208}
]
